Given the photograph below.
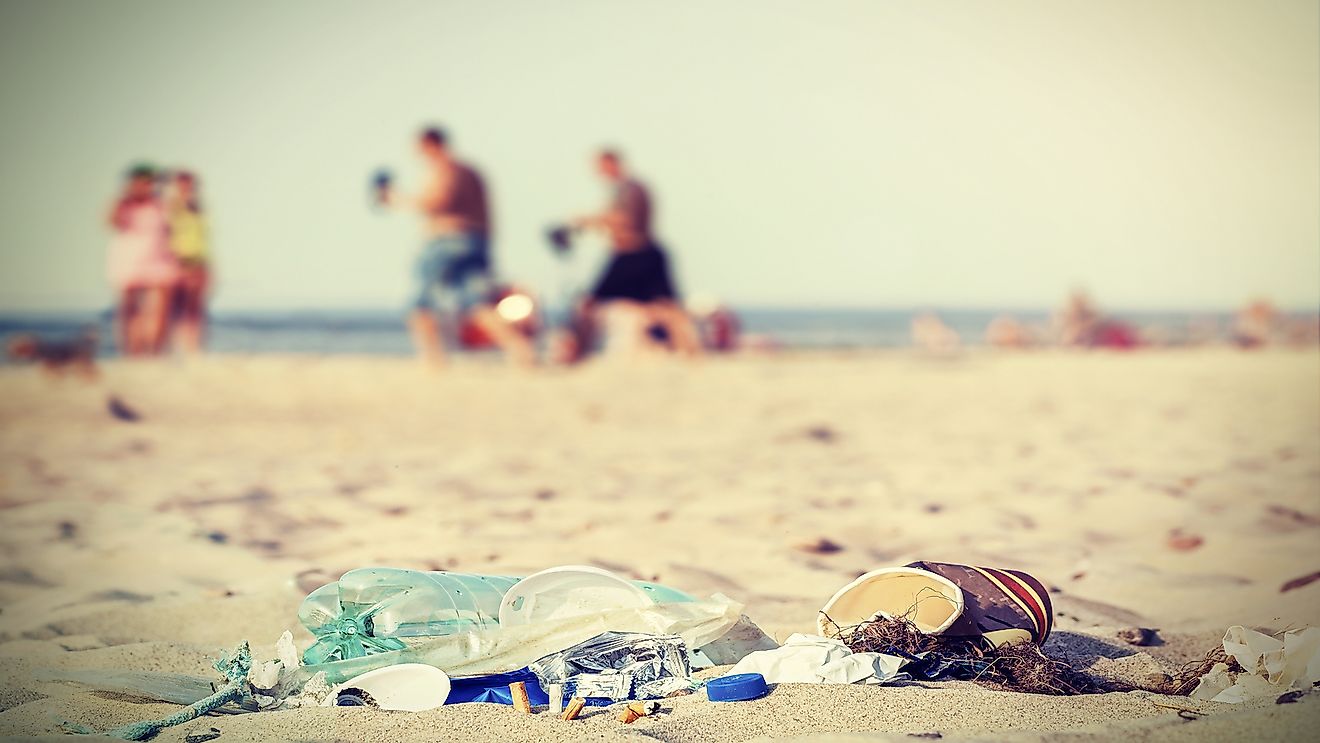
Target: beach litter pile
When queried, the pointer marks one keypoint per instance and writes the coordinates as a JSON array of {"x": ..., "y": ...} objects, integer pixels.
[
  {"x": 572, "y": 638},
  {"x": 563, "y": 640}
]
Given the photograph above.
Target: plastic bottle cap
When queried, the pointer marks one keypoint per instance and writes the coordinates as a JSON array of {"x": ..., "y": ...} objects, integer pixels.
[{"x": 739, "y": 687}]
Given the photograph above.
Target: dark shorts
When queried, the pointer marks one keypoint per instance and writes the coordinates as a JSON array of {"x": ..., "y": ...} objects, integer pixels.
[
  {"x": 454, "y": 268},
  {"x": 190, "y": 291},
  {"x": 638, "y": 275}
]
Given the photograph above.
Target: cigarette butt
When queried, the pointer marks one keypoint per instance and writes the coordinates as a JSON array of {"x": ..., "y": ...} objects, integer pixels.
[
  {"x": 574, "y": 708},
  {"x": 518, "y": 690},
  {"x": 637, "y": 709}
]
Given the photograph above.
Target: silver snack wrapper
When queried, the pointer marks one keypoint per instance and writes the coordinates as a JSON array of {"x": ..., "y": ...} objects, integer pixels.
[{"x": 618, "y": 666}]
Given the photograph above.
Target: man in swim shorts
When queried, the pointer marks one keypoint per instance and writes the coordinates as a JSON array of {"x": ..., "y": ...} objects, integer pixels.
[
  {"x": 455, "y": 261},
  {"x": 637, "y": 275}
]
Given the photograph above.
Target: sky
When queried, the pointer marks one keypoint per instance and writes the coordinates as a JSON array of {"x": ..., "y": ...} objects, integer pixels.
[{"x": 968, "y": 154}]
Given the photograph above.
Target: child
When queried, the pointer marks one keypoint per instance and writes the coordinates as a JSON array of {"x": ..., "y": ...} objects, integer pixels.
[
  {"x": 141, "y": 267},
  {"x": 188, "y": 240}
]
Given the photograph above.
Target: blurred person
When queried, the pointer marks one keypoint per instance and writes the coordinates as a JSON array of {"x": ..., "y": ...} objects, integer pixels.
[
  {"x": 720, "y": 330},
  {"x": 931, "y": 334},
  {"x": 1079, "y": 324},
  {"x": 189, "y": 241},
  {"x": 1256, "y": 325},
  {"x": 141, "y": 267},
  {"x": 1304, "y": 331},
  {"x": 456, "y": 257},
  {"x": 57, "y": 357},
  {"x": 1076, "y": 322},
  {"x": 717, "y": 324},
  {"x": 637, "y": 278},
  {"x": 1006, "y": 331}
]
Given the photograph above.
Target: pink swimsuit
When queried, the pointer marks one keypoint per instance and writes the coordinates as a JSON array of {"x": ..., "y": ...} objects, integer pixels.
[{"x": 140, "y": 255}]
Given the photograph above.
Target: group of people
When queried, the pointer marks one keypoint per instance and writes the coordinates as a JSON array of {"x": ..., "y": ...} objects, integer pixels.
[
  {"x": 636, "y": 288},
  {"x": 158, "y": 262}
]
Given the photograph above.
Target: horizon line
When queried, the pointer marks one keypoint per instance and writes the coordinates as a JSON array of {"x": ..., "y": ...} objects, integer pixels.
[{"x": 736, "y": 306}]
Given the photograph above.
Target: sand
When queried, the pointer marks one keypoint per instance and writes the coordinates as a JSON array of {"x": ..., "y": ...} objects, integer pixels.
[{"x": 1175, "y": 489}]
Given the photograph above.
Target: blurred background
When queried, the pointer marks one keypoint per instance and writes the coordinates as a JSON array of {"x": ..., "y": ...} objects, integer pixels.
[{"x": 826, "y": 169}]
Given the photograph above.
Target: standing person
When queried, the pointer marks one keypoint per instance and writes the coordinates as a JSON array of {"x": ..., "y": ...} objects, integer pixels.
[
  {"x": 189, "y": 241},
  {"x": 141, "y": 267},
  {"x": 637, "y": 275},
  {"x": 456, "y": 257}
]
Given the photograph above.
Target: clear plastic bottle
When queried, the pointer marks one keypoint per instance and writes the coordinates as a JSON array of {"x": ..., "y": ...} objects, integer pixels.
[{"x": 367, "y": 610}]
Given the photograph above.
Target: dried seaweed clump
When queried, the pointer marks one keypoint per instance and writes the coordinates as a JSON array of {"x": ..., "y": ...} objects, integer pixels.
[
  {"x": 885, "y": 635},
  {"x": 1020, "y": 667},
  {"x": 1185, "y": 681},
  {"x": 1023, "y": 667}
]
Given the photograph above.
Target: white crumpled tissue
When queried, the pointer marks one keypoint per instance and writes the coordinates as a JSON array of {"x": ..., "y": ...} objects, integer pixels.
[
  {"x": 1270, "y": 666},
  {"x": 809, "y": 659}
]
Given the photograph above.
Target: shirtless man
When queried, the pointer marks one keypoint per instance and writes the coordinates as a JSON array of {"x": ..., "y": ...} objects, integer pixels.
[
  {"x": 638, "y": 272},
  {"x": 456, "y": 257}
]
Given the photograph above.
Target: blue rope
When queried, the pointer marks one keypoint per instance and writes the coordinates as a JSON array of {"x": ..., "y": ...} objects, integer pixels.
[{"x": 234, "y": 666}]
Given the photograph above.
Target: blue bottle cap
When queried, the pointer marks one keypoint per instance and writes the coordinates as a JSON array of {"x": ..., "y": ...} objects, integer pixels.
[{"x": 739, "y": 687}]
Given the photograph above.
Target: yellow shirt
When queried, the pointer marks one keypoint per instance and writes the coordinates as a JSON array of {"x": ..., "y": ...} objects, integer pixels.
[{"x": 188, "y": 234}]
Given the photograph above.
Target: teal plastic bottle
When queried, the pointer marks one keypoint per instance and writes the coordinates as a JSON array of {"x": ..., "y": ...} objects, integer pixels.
[{"x": 368, "y": 610}]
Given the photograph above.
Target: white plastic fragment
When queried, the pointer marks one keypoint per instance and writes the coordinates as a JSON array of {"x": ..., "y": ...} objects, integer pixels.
[
  {"x": 312, "y": 694},
  {"x": 1270, "y": 665},
  {"x": 810, "y": 659},
  {"x": 407, "y": 687},
  {"x": 287, "y": 652},
  {"x": 266, "y": 674}
]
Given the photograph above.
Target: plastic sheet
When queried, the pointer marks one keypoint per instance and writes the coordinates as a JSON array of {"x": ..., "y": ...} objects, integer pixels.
[
  {"x": 618, "y": 666},
  {"x": 165, "y": 687},
  {"x": 494, "y": 689},
  {"x": 742, "y": 638}
]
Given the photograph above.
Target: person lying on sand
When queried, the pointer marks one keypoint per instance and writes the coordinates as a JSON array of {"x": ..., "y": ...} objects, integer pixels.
[{"x": 57, "y": 358}]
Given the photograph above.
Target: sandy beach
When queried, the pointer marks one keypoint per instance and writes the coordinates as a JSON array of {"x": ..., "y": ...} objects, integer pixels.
[{"x": 1177, "y": 490}]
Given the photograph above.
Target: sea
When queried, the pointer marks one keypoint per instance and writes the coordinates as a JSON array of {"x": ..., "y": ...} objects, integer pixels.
[{"x": 382, "y": 332}]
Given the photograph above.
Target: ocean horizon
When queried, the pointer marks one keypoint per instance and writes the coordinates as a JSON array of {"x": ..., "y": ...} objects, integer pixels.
[{"x": 330, "y": 331}]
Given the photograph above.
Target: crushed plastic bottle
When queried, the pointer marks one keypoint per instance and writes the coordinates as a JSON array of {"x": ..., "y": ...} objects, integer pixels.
[{"x": 367, "y": 610}]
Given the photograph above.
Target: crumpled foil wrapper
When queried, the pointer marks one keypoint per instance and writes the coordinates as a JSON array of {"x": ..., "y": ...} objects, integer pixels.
[{"x": 618, "y": 666}]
